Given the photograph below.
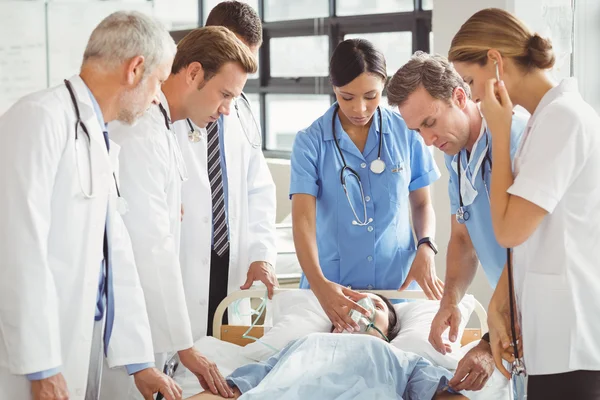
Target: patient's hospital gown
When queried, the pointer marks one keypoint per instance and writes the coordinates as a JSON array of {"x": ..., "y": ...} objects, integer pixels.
[{"x": 338, "y": 366}]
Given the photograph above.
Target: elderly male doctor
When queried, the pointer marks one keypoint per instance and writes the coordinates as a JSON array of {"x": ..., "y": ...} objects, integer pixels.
[
  {"x": 69, "y": 290},
  {"x": 210, "y": 68},
  {"x": 228, "y": 229},
  {"x": 435, "y": 101}
]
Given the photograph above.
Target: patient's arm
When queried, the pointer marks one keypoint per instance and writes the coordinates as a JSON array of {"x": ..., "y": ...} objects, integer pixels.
[{"x": 209, "y": 396}]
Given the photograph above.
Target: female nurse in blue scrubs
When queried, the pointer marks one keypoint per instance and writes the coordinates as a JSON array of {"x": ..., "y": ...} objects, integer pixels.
[{"x": 358, "y": 174}]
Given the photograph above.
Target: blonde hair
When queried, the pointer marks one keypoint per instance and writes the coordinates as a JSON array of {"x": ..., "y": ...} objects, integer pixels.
[
  {"x": 433, "y": 72},
  {"x": 494, "y": 28},
  {"x": 213, "y": 47}
]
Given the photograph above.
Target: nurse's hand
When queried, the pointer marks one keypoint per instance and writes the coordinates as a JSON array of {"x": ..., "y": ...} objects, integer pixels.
[
  {"x": 497, "y": 108},
  {"x": 337, "y": 301},
  {"x": 53, "y": 388},
  {"x": 447, "y": 316},
  {"x": 264, "y": 272},
  {"x": 206, "y": 371},
  {"x": 500, "y": 338},
  {"x": 151, "y": 380},
  {"x": 422, "y": 270}
]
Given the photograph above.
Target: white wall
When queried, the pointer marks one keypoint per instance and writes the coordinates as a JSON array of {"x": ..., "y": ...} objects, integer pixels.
[{"x": 280, "y": 170}]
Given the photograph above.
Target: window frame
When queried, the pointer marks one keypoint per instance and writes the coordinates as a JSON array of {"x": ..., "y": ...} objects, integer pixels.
[{"x": 335, "y": 27}]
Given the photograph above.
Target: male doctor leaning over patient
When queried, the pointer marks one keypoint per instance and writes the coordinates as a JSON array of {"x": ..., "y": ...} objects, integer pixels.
[
  {"x": 356, "y": 173},
  {"x": 69, "y": 290},
  {"x": 210, "y": 69},
  {"x": 228, "y": 230},
  {"x": 435, "y": 101}
]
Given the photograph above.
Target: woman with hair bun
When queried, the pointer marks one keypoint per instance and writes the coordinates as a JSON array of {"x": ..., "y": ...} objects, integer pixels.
[{"x": 549, "y": 211}]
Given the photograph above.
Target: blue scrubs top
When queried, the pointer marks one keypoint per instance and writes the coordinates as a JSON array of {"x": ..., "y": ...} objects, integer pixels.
[
  {"x": 379, "y": 255},
  {"x": 491, "y": 255}
]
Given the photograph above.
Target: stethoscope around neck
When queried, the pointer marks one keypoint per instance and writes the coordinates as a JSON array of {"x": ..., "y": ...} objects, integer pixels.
[
  {"x": 181, "y": 167},
  {"x": 377, "y": 167},
  {"x": 122, "y": 207},
  {"x": 462, "y": 214}
]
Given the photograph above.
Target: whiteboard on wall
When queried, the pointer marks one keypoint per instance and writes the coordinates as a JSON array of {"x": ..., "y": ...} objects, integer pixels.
[
  {"x": 22, "y": 50},
  {"x": 70, "y": 24}
]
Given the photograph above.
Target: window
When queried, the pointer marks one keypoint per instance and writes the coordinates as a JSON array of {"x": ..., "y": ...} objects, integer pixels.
[
  {"x": 288, "y": 114},
  {"x": 299, "y": 56},
  {"x": 361, "y": 7},
  {"x": 396, "y": 46},
  {"x": 292, "y": 88},
  {"x": 281, "y": 10}
]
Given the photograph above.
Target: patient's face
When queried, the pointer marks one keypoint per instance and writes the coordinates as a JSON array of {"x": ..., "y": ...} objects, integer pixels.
[{"x": 381, "y": 316}]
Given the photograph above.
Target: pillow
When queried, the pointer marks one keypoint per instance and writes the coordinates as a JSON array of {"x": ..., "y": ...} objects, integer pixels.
[
  {"x": 415, "y": 323},
  {"x": 297, "y": 313}
]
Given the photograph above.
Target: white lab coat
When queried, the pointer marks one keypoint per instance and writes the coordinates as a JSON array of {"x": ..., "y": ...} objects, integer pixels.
[
  {"x": 557, "y": 278},
  {"x": 51, "y": 247},
  {"x": 150, "y": 182},
  {"x": 251, "y": 216}
]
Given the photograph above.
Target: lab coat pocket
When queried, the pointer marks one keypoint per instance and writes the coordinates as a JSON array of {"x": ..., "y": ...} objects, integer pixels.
[
  {"x": 546, "y": 321},
  {"x": 396, "y": 181}
]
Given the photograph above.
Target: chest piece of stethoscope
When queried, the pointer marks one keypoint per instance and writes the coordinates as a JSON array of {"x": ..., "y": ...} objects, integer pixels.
[
  {"x": 377, "y": 166},
  {"x": 462, "y": 215},
  {"x": 193, "y": 135}
]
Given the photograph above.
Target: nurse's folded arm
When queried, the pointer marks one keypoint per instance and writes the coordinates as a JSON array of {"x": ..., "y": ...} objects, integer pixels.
[{"x": 335, "y": 299}]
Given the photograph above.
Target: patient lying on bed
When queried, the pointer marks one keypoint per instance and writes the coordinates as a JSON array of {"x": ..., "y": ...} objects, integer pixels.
[{"x": 348, "y": 366}]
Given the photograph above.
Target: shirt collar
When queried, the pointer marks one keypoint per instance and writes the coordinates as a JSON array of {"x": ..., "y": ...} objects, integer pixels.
[
  {"x": 327, "y": 118},
  {"x": 97, "y": 109},
  {"x": 567, "y": 85}
]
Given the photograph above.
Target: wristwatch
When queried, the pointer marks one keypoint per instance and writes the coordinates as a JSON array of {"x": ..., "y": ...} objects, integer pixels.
[{"x": 429, "y": 241}]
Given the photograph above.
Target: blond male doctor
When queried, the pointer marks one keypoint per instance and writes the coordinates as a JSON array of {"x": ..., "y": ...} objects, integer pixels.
[
  {"x": 69, "y": 290},
  {"x": 228, "y": 230},
  {"x": 210, "y": 69}
]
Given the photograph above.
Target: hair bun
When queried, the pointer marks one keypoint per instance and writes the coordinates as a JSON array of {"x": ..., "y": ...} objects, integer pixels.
[{"x": 540, "y": 52}]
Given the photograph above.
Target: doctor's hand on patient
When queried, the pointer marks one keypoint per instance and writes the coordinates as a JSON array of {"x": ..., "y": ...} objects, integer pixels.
[
  {"x": 422, "y": 270},
  {"x": 264, "y": 272},
  {"x": 53, "y": 388},
  {"x": 150, "y": 381},
  {"x": 474, "y": 369},
  {"x": 206, "y": 371},
  {"x": 448, "y": 316}
]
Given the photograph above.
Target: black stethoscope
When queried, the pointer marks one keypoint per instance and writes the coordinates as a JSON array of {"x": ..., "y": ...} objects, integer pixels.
[
  {"x": 121, "y": 203},
  {"x": 181, "y": 167},
  {"x": 193, "y": 134},
  {"x": 377, "y": 167},
  {"x": 462, "y": 214}
]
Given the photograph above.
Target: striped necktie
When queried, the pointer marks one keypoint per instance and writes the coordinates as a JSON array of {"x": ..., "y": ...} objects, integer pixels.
[{"x": 215, "y": 175}]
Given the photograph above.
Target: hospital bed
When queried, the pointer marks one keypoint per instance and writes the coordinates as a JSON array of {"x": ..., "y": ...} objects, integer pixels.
[
  {"x": 225, "y": 347},
  {"x": 233, "y": 334}
]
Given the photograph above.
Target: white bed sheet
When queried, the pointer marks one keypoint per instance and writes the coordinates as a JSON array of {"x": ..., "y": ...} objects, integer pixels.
[{"x": 228, "y": 357}]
